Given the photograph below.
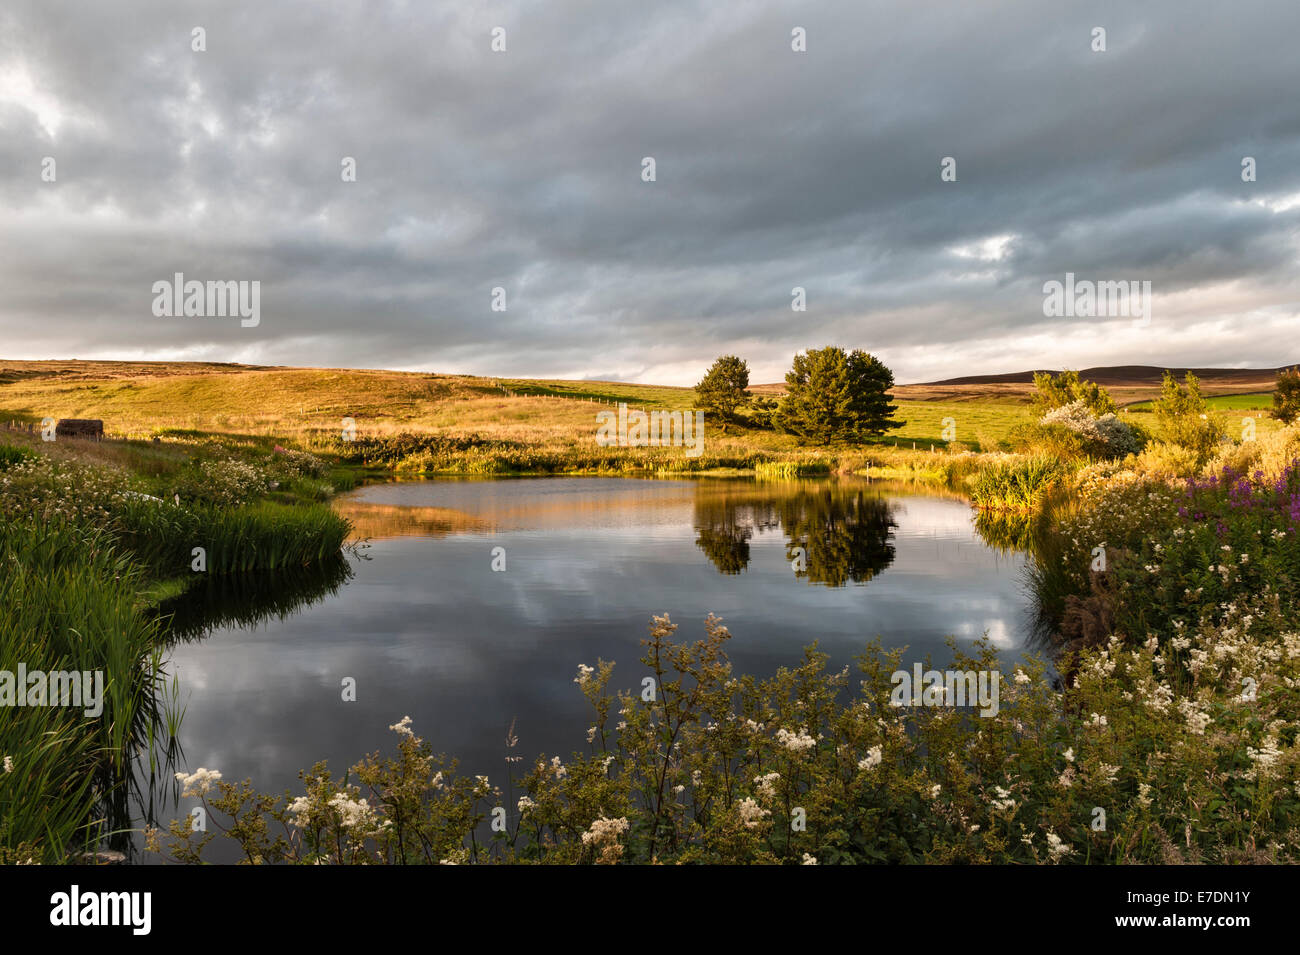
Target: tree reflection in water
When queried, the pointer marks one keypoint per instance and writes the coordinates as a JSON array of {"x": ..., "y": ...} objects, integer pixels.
[{"x": 835, "y": 533}]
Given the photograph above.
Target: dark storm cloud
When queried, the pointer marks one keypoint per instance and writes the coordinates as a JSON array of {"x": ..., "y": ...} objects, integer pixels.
[{"x": 775, "y": 169}]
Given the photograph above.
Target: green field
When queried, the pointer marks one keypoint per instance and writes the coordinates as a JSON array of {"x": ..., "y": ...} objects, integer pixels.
[{"x": 1262, "y": 401}]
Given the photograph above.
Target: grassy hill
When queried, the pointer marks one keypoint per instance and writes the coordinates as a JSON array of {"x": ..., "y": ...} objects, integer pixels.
[{"x": 141, "y": 399}]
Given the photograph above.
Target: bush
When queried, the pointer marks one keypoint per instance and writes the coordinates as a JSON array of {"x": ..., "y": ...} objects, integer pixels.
[
  {"x": 1286, "y": 399},
  {"x": 1057, "y": 391},
  {"x": 1162, "y": 459},
  {"x": 1186, "y": 420},
  {"x": 225, "y": 483},
  {"x": 1104, "y": 436}
]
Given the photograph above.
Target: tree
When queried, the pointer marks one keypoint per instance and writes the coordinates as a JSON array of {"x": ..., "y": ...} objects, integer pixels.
[
  {"x": 722, "y": 389},
  {"x": 832, "y": 396},
  {"x": 1286, "y": 399},
  {"x": 1057, "y": 391},
  {"x": 1185, "y": 418}
]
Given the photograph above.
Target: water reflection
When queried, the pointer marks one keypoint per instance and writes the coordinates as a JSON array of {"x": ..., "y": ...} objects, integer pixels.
[
  {"x": 834, "y": 532},
  {"x": 428, "y": 629},
  {"x": 243, "y": 601}
]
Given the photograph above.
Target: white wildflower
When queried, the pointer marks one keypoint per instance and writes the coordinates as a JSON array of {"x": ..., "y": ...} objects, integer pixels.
[
  {"x": 872, "y": 759},
  {"x": 199, "y": 782}
]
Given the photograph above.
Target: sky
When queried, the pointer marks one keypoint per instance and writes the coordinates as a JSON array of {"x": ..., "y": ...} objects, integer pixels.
[{"x": 774, "y": 168}]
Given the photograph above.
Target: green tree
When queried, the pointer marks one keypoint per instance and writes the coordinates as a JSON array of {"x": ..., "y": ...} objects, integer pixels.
[
  {"x": 1185, "y": 418},
  {"x": 1286, "y": 399},
  {"x": 1057, "y": 391},
  {"x": 833, "y": 395},
  {"x": 723, "y": 388}
]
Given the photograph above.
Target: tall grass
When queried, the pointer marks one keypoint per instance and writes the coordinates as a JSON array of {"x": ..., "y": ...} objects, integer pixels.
[
  {"x": 263, "y": 536},
  {"x": 68, "y": 603},
  {"x": 1019, "y": 484},
  {"x": 781, "y": 470}
]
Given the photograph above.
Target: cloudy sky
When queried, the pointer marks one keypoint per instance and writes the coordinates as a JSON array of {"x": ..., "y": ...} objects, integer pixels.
[{"x": 774, "y": 168}]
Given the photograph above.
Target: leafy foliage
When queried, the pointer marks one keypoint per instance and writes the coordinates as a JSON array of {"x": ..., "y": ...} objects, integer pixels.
[
  {"x": 837, "y": 396},
  {"x": 1057, "y": 391},
  {"x": 1186, "y": 420},
  {"x": 1286, "y": 399},
  {"x": 723, "y": 388}
]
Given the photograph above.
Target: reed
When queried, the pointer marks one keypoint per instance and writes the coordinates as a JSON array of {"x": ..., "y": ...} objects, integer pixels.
[
  {"x": 68, "y": 602},
  {"x": 1018, "y": 484}
]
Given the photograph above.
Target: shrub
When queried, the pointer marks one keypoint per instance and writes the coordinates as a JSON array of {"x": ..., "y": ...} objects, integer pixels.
[
  {"x": 1057, "y": 391},
  {"x": 1286, "y": 399},
  {"x": 225, "y": 483},
  {"x": 1104, "y": 436},
  {"x": 1186, "y": 420},
  {"x": 1162, "y": 459}
]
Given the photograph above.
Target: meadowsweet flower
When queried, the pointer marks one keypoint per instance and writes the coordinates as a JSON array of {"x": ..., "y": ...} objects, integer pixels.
[
  {"x": 301, "y": 810},
  {"x": 1197, "y": 719},
  {"x": 525, "y": 804},
  {"x": 934, "y": 791},
  {"x": 809, "y": 860},
  {"x": 1003, "y": 802},
  {"x": 603, "y": 831},
  {"x": 766, "y": 785},
  {"x": 354, "y": 814},
  {"x": 1021, "y": 676},
  {"x": 795, "y": 742},
  {"x": 1144, "y": 795},
  {"x": 402, "y": 727},
  {"x": 751, "y": 813},
  {"x": 9, "y": 764},
  {"x": 198, "y": 783},
  {"x": 1069, "y": 755},
  {"x": 591, "y": 734},
  {"x": 558, "y": 768},
  {"x": 872, "y": 759},
  {"x": 1263, "y": 759},
  {"x": 584, "y": 673},
  {"x": 1056, "y": 847}
]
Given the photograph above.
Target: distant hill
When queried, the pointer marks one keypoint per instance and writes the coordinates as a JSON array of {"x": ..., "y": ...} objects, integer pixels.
[
  {"x": 1128, "y": 376},
  {"x": 1126, "y": 383}
]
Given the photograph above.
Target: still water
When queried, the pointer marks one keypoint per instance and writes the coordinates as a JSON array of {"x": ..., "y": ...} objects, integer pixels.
[{"x": 426, "y": 627}]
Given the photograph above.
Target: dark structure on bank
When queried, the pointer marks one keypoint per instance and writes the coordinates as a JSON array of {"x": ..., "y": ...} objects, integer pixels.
[{"x": 92, "y": 428}]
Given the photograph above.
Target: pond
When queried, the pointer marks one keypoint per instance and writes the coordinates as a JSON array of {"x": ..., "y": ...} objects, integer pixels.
[{"x": 426, "y": 627}]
